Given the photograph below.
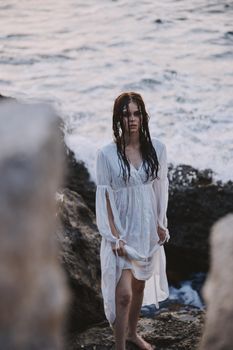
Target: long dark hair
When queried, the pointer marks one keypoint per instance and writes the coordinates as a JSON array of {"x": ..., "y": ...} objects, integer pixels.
[{"x": 149, "y": 156}]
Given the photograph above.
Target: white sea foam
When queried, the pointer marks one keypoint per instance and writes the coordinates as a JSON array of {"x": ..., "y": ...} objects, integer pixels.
[
  {"x": 80, "y": 58},
  {"x": 186, "y": 295},
  {"x": 180, "y": 151}
]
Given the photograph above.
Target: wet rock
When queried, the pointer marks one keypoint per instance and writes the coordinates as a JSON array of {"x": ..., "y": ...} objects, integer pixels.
[
  {"x": 178, "y": 330},
  {"x": 32, "y": 283},
  {"x": 195, "y": 203},
  {"x": 80, "y": 246},
  {"x": 78, "y": 179},
  {"x": 218, "y": 333}
]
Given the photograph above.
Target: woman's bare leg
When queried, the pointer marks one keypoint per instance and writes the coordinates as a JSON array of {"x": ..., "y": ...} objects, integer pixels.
[
  {"x": 135, "y": 307},
  {"x": 123, "y": 300},
  {"x": 136, "y": 303}
]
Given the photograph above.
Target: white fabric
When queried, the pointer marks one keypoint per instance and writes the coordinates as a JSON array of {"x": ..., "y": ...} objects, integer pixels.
[{"x": 138, "y": 208}]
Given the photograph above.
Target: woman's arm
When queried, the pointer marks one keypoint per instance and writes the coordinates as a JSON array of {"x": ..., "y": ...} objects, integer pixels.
[
  {"x": 160, "y": 186},
  {"x": 120, "y": 250},
  {"x": 107, "y": 216},
  {"x": 111, "y": 218}
]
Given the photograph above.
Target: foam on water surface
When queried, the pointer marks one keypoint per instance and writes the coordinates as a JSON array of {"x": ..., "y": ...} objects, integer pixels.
[{"x": 82, "y": 54}]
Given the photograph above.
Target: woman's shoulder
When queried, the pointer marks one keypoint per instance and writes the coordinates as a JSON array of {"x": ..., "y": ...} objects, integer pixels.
[
  {"x": 107, "y": 148},
  {"x": 158, "y": 145}
]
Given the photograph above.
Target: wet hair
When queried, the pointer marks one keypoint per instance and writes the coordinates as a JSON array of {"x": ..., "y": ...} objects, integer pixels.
[{"x": 148, "y": 153}]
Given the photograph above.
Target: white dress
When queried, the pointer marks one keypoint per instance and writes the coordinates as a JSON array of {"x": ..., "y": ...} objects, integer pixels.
[{"x": 138, "y": 208}]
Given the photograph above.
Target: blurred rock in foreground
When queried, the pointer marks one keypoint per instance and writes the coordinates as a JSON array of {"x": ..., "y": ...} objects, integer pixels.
[
  {"x": 218, "y": 290},
  {"x": 32, "y": 282}
]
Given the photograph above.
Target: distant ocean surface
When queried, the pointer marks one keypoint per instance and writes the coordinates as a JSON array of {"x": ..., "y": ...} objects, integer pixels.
[{"x": 81, "y": 54}]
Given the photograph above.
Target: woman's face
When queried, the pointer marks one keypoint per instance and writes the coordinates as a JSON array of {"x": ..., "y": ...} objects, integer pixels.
[{"x": 132, "y": 119}]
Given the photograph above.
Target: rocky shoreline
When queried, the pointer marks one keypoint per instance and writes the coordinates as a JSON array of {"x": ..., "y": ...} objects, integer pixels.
[
  {"x": 195, "y": 203},
  {"x": 178, "y": 330}
]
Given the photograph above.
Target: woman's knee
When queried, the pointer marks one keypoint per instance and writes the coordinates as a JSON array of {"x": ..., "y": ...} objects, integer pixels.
[
  {"x": 138, "y": 286},
  {"x": 124, "y": 298}
]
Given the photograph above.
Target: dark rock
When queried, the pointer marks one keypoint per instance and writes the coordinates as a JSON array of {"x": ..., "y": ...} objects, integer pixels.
[
  {"x": 195, "y": 203},
  {"x": 78, "y": 179},
  {"x": 178, "y": 330},
  {"x": 76, "y": 175},
  {"x": 80, "y": 246}
]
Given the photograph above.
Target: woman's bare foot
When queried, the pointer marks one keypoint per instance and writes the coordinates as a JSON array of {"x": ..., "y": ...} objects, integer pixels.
[{"x": 140, "y": 342}]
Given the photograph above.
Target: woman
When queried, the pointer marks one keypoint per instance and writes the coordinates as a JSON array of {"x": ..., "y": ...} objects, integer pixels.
[{"x": 131, "y": 204}]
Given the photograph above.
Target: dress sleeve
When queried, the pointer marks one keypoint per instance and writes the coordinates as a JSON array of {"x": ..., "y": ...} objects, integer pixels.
[
  {"x": 103, "y": 182},
  {"x": 160, "y": 186}
]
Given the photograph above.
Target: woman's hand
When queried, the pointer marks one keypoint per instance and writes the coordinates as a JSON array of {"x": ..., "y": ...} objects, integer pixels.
[
  {"x": 121, "y": 250},
  {"x": 162, "y": 235}
]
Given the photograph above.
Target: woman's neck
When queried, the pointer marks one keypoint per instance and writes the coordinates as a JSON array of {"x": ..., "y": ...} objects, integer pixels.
[{"x": 132, "y": 140}]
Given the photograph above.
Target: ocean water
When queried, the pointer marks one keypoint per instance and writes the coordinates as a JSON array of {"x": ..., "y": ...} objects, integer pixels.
[
  {"x": 80, "y": 55},
  {"x": 190, "y": 291}
]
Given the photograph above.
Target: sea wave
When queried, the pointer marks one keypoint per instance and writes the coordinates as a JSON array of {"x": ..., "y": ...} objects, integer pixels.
[{"x": 83, "y": 54}]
